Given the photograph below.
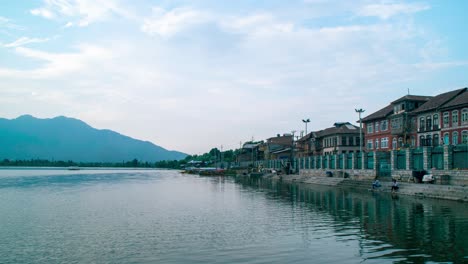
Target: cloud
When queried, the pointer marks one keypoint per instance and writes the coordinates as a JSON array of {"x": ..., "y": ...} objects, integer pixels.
[
  {"x": 385, "y": 11},
  {"x": 59, "y": 65},
  {"x": 9, "y": 24},
  {"x": 83, "y": 12},
  {"x": 24, "y": 41},
  {"x": 167, "y": 23},
  {"x": 260, "y": 23}
]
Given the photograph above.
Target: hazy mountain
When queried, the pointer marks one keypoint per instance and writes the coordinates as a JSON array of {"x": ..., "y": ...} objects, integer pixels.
[{"x": 62, "y": 138}]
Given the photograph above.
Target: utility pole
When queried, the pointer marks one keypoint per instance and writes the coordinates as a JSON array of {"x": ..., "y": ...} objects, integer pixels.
[{"x": 360, "y": 111}]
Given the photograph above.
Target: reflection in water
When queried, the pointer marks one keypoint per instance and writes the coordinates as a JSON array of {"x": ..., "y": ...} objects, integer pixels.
[{"x": 404, "y": 229}]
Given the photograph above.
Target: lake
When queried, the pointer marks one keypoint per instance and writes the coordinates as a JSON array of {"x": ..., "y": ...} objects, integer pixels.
[{"x": 160, "y": 216}]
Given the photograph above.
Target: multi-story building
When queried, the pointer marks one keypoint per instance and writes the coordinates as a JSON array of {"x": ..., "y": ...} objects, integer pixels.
[
  {"x": 279, "y": 147},
  {"x": 455, "y": 120},
  {"x": 393, "y": 126},
  {"x": 343, "y": 137},
  {"x": 377, "y": 129},
  {"x": 403, "y": 120},
  {"x": 438, "y": 119}
]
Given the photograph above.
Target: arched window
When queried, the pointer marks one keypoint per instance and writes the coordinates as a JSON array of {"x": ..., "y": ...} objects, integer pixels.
[
  {"x": 455, "y": 138},
  {"x": 465, "y": 137},
  {"x": 394, "y": 143},
  {"x": 376, "y": 143},
  {"x": 428, "y": 140},
  {"x": 464, "y": 116},
  {"x": 428, "y": 122},
  {"x": 435, "y": 141},
  {"x": 435, "y": 121},
  {"x": 422, "y": 141},
  {"x": 455, "y": 118},
  {"x": 446, "y": 120},
  {"x": 400, "y": 142},
  {"x": 446, "y": 139},
  {"x": 421, "y": 124}
]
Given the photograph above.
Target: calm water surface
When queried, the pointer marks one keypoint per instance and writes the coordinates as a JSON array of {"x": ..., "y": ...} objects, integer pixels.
[{"x": 151, "y": 216}]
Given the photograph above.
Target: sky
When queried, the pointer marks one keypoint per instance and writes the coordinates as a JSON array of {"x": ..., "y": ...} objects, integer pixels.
[{"x": 194, "y": 75}]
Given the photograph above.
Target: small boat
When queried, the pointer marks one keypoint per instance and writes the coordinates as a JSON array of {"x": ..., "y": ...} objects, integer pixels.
[{"x": 73, "y": 168}]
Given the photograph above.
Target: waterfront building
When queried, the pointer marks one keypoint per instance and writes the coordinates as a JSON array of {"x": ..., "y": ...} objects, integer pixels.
[
  {"x": 279, "y": 147},
  {"x": 439, "y": 119},
  {"x": 399, "y": 124},
  {"x": 341, "y": 138},
  {"x": 377, "y": 129},
  {"x": 455, "y": 120}
]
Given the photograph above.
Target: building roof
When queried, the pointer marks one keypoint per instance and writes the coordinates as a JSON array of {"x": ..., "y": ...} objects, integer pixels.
[
  {"x": 412, "y": 98},
  {"x": 281, "y": 140},
  {"x": 339, "y": 128},
  {"x": 382, "y": 113},
  {"x": 461, "y": 99},
  {"x": 438, "y": 101}
]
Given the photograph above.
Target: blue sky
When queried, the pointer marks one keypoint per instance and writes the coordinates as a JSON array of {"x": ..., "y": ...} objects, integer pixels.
[{"x": 192, "y": 75}]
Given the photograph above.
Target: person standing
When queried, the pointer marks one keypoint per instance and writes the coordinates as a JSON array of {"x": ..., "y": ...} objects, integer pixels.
[{"x": 395, "y": 186}]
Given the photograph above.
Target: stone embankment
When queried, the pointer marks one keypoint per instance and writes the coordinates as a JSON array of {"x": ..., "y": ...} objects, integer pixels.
[{"x": 449, "y": 192}]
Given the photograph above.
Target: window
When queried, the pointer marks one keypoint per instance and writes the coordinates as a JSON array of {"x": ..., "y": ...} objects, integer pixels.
[
  {"x": 384, "y": 124},
  {"x": 428, "y": 140},
  {"x": 376, "y": 126},
  {"x": 343, "y": 140},
  {"x": 446, "y": 120},
  {"x": 358, "y": 141},
  {"x": 396, "y": 123},
  {"x": 384, "y": 142},
  {"x": 351, "y": 141},
  {"x": 455, "y": 138},
  {"x": 429, "y": 122},
  {"x": 421, "y": 124},
  {"x": 400, "y": 142},
  {"x": 435, "y": 120},
  {"x": 464, "y": 116},
  {"x": 335, "y": 141},
  {"x": 435, "y": 141},
  {"x": 413, "y": 141},
  {"x": 446, "y": 139},
  {"x": 465, "y": 137},
  {"x": 422, "y": 141},
  {"x": 370, "y": 128},
  {"x": 377, "y": 143},
  {"x": 394, "y": 143},
  {"x": 455, "y": 118},
  {"x": 369, "y": 144}
]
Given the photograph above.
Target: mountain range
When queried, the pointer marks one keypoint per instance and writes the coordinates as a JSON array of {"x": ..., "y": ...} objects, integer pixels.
[{"x": 63, "y": 138}]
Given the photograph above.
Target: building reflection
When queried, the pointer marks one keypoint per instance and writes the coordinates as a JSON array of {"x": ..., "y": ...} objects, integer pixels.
[{"x": 417, "y": 229}]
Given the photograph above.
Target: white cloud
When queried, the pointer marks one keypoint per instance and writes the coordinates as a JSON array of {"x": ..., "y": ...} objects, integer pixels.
[
  {"x": 24, "y": 41},
  {"x": 167, "y": 23},
  {"x": 9, "y": 24},
  {"x": 59, "y": 65},
  {"x": 260, "y": 23},
  {"x": 387, "y": 10},
  {"x": 83, "y": 12}
]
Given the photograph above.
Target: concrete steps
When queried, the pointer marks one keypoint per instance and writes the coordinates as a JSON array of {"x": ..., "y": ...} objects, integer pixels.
[{"x": 450, "y": 192}]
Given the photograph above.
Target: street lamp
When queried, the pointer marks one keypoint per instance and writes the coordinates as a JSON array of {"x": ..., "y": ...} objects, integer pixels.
[
  {"x": 306, "y": 121},
  {"x": 360, "y": 111}
]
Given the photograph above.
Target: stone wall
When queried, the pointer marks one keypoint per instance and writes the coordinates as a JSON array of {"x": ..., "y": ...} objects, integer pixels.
[{"x": 352, "y": 174}]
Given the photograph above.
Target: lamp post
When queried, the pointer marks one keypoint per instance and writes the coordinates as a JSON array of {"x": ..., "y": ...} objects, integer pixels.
[
  {"x": 360, "y": 111},
  {"x": 306, "y": 121}
]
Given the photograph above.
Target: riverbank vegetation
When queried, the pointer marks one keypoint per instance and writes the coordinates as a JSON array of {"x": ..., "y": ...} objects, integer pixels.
[{"x": 206, "y": 159}]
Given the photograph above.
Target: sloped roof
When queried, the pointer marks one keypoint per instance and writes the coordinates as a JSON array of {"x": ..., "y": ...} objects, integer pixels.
[
  {"x": 439, "y": 101},
  {"x": 461, "y": 99},
  {"x": 412, "y": 98},
  {"x": 382, "y": 113},
  {"x": 345, "y": 128}
]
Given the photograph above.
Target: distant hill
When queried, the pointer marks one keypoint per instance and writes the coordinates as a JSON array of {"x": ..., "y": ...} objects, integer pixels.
[{"x": 63, "y": 138}]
